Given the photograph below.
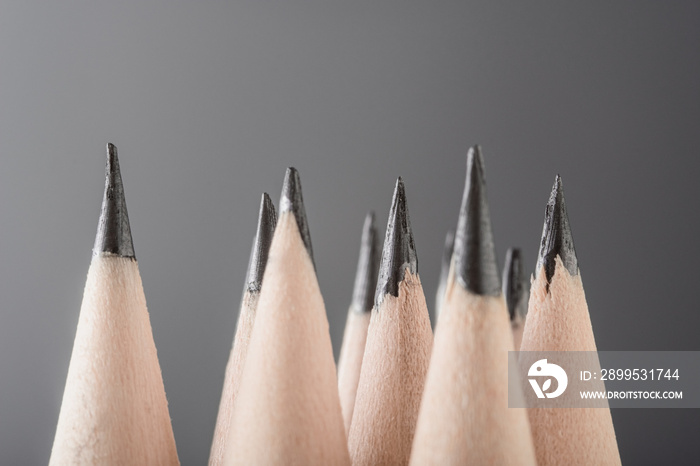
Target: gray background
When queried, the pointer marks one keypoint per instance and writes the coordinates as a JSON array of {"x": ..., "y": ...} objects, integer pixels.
[{"x": 209, "y": 103}]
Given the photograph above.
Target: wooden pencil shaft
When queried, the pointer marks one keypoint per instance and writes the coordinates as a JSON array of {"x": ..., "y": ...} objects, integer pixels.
[
  {"x": 296, "y": 418},
  {"x": 350, "y": 361},
  {"x": 464, "y": 417},
  {"x": 114, "y": 409},
  {"x": 558, "y": 320},
  {"x": 232, "y": 376},
  {"x": 394, "y": 366},
  {"x": 267, "y": 220}
]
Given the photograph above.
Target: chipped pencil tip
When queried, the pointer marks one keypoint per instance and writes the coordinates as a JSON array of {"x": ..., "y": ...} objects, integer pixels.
[{"x": 399, "y": 252}]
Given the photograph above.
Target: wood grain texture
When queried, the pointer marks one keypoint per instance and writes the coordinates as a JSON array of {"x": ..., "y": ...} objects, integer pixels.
[
  {"x": 464, "y": 417},
  {"x": 394, "y": 366},
  {"x": 350, "y": 361},
  {"x": 232, "y": 377},
  {"x": 288, "y": 409},
  {"x": 114, "y": 410},
  {"x": 558, "y": 320}
]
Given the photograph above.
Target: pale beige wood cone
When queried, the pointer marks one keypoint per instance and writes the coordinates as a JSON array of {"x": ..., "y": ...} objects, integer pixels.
[
  {"x": 394, "y": 366},
  {"x": 517, "y": 326},
  {"x": 558, "y": 320},
  {"x": 288, "y": 409},
  {"x": 232, "y": 377},
  {"x": 464, "y": 417},
  {"x": 350, "y": 361},
  {"x": 114, "y": 410}
]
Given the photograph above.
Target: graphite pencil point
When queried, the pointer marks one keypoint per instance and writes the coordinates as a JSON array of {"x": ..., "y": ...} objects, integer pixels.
[
  {"x": 476, "y": 268},
  {"x": 556, "y": 235},
  {"x": 399, "y": 253},
  {"x": 560, "y": 434},
  {"x": 293, "y": 201},
  {"x": 267, "y": 219},
  {"x": 367, "y": 267},
  {"x": 514, "y": 287},
  {"x": 113, "y": 231}
]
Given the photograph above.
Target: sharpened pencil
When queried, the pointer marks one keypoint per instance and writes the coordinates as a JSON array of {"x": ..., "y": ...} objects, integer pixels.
[
  {"x": 517, "y": 292},
  {"x": 114, "y": 409},
  {"x": 397, "y": 351},
  {"x": 558, "y": 320},
  {"x": 355, "y": 335},
  {"x": 288, "y": 408},
  {"x": 444, "y": 272},
  {"x": 464, "y": 416},
  {"x": 267, "y": 219}
]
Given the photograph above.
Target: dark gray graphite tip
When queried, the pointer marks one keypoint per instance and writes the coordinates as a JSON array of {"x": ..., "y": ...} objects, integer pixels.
[
  {"x": 367, "y": 267},
  {"x": 113, "y": 230},
  {"x": 476, "y": 268},
  {"x": 446, "y": 257},
  {"x": 515, "y": 288},
  {"x": 556, "y": 235},
  {"x": 292, "y": 201},
  {"x": 399, "y": 253},
  {"x": 267, "y": 220}
]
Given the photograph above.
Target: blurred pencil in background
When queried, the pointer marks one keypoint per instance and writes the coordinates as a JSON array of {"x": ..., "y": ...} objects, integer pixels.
[
  {"x": 355, "y": 335},
  {"x": 444, "y": 272},
  {"x": 267, "y": 219},
  {"x": 516, "y": 290}
]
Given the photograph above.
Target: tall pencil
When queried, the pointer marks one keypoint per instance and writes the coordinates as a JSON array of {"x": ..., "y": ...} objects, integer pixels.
[
  {"x": 517, "y": 292},
  {"x": 114, "y": 409},
  {"x": 288, "y": 409},
  {"x": 464, "y": 417},
  {"x": 355, "y": 335},
  {"x": 267, "y": 219},
  {"x": 444, "y": 272},
  {"x": 397, "y": 351},
  {"x": 558, "y": 320}
]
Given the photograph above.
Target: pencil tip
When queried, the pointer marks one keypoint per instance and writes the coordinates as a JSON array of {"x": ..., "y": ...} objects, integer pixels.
[
  {"x": 293, "y": 201},
  {"x": 367, "y": 267},
  {"x": 476, "y": 268},
  {"x": 267, "y": 220},
  {"x": 399, "y": 253},
  {"x": 514, "y": 286},
  {"x": 113, "y": 230},
  {"x": 446, "y": 257},
  {"x": 556, "y": 235}
]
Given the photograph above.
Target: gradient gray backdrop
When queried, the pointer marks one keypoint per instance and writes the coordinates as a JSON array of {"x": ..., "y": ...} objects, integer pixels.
[{"x": 210, "y": 102}]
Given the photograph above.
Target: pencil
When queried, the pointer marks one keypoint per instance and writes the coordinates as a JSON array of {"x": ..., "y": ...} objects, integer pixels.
[
  {"x": 355, "y": 335},
  {"x": 517, "y": 292},
  {"x": 464, "y": 417},
  {"x": 444, "y": 272},
  {"x": 114, "y": 409},
  {"x": 558, "y": 320},
  {"x": 397, "y": 351},
  {"x": 267, "y": 219},
  {"x": 288, "y": 408}
]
